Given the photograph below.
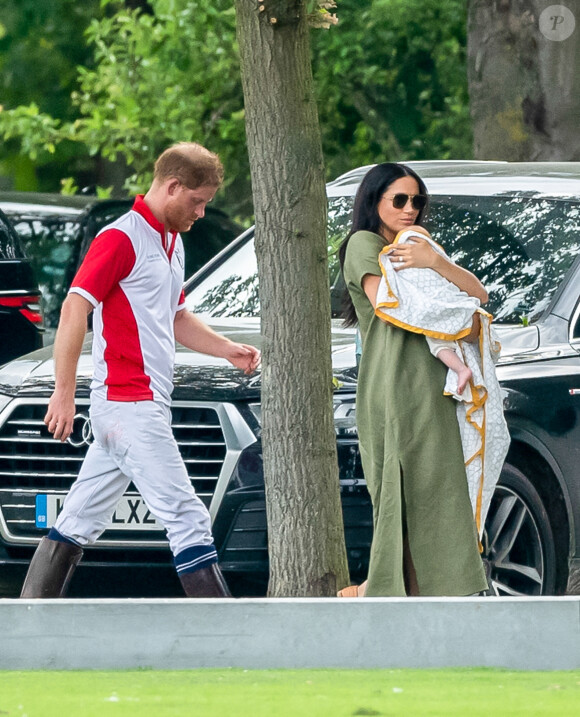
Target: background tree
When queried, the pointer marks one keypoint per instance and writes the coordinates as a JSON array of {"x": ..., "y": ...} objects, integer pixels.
[
  {"x": 524, "y": 87},
  {"x": 168, "y": 74},
  {"x": 41, "y": 45},
  {"x": 305, "y": 528},
  {"x": 390, "y": 81}
]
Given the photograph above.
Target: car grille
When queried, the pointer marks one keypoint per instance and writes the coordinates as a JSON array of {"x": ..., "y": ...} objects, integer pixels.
[
  {"x": 247, "y": 544},
  {"x": 32, "y": 462}
]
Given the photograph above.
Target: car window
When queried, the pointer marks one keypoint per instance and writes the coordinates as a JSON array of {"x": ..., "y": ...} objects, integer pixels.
[
  {"x": 9, "y": 246},
  {"x": 96, "y": 219},
  {"x": 339, "y": 218},
  {"x": 232, "y": 289},
  {"x": 50, "y": 243},
  {"x": 519, "y": 247}
]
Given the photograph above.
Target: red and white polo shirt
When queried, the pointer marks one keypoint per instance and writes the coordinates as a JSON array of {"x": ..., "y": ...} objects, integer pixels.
[{"x": 133, "y": 276}]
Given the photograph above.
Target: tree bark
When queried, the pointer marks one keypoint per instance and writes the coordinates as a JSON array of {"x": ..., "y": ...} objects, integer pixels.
[
  {"x": 524, "y": 87},
  {"x": 305, "y": 525}
]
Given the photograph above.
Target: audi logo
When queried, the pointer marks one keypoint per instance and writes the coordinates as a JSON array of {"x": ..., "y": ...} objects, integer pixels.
[{"x": 82, "y": 434}]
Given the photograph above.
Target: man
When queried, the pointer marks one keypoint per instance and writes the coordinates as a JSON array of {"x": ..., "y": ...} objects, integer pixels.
[{"x": 131, "y": 278}]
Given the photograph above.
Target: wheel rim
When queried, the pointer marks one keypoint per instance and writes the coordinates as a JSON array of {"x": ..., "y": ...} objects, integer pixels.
[{"x": 513, "y": 550}]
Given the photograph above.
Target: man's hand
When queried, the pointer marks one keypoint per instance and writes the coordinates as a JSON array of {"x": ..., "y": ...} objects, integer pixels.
[
  {"x": 193, "y": 333},
  {"x": 243, "y": 356},
  {"x": 60, "y": 415},
  {"x": 68, "y": 344}
]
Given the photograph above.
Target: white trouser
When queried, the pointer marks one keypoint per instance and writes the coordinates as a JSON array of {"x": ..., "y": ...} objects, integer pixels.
[{"x": 134, "y": 442}]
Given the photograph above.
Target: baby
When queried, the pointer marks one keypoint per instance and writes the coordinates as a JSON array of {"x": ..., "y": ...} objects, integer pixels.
[
  {"x": 446, "y": 350},
  {"x": 448, "y": 353}
]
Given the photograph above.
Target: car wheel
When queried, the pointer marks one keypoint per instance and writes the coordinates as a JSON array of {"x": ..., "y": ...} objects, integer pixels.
[{"x": 519, "y": 550}]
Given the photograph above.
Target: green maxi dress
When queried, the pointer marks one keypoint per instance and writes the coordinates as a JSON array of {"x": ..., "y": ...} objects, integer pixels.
[{"x": 411, "y": 452}]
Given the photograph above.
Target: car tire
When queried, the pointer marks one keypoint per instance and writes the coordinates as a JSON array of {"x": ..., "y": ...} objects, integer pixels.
[{"x": 519, "y": 549}]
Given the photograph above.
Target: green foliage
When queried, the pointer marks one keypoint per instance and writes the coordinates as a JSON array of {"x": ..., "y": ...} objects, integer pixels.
[
  {"x": 392, "y": 82},
  {"x": 104, "y": 192},
  {"x": 37, "y": 132},
  {"x": 390, "y": 78},
  {"x": 159, "y": 79},
  {"x": 68, "y": 186},
  {"x": 40, "y": 48}
]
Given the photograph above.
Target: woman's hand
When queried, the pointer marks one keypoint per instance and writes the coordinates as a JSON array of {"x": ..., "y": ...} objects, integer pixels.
[
  {"x": 417, "y": 253},
  {"x": 473, "y": 335},
  {"x": 421, "y": 255}
]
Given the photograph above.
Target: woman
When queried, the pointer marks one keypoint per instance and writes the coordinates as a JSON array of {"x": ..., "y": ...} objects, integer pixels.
[{"x": 425, "y": 538}]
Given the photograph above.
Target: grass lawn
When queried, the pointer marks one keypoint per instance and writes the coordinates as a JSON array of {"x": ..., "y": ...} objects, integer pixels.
[{"x": 282, "y": 693}]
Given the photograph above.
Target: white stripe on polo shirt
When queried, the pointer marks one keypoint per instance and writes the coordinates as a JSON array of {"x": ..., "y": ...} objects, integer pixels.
[{"x": 135, "y": 286}]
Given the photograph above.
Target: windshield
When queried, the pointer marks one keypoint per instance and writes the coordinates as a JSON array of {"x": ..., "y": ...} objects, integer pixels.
[
  {"x": 519, "y": 247},
  {"x": 231, "y": 289}
]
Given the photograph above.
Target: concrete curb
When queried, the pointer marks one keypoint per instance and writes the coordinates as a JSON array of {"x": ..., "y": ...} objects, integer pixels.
[{"x": 514, "y": 633}]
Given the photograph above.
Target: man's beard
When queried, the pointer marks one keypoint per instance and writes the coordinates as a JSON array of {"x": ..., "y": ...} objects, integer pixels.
[{"x": 177, "y": 221}]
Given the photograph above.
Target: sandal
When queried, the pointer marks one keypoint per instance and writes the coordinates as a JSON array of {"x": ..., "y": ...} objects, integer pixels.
[{"x": 350, "y": 592}]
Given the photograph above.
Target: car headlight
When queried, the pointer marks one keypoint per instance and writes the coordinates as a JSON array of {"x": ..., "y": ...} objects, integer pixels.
[
  {"x": 4, "y": 401},
  {"x": 344, "y": 415},
  {"x": 256, "y": 409}
]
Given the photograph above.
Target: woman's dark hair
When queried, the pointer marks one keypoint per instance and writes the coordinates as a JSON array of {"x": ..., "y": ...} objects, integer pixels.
[{"x": 365, "y": 214}]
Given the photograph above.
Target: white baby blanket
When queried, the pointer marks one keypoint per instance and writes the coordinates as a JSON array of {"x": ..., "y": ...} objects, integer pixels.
[
  {"x": 484, "y": 432},
  {"x": 423, "y": 301}
]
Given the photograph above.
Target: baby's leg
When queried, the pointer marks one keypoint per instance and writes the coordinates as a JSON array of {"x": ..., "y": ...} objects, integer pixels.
[{"x": 452, "y": 361}]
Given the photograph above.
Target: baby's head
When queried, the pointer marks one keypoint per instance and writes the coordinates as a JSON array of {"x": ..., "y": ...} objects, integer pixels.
[{"x": 416, "y": 229}]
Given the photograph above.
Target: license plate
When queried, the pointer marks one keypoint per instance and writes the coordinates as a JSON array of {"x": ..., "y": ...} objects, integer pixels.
[{"x": 131, "y": 513}]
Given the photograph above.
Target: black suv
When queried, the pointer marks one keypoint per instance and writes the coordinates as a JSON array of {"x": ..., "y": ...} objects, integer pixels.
[
  {"x": 517, "y": 226},
  {"x": 56, "y": 231},
  {"x": 21, "y": 323}
]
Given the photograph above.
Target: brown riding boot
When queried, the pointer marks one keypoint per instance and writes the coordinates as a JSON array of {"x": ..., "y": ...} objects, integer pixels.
[
  {"x": 205, "y": 583},
  {"x": 51, "y": 569}
]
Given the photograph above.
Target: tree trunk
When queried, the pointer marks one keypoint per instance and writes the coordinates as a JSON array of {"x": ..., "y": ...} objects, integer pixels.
[
  {"x": 305, "y": 525},
  {"x": 524, "y": 85}
]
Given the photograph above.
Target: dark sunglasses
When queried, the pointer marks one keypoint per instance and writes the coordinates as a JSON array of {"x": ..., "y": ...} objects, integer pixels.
[{"x": 418, "y": 201}]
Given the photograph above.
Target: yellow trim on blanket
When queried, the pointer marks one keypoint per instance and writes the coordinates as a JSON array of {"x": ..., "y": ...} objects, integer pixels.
[
  {"x": 390, "y": 304},
  {"x": 384, "y": 316},
  {"x": 479, "y": 396},
  {"x": 418, "y": 330}
]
